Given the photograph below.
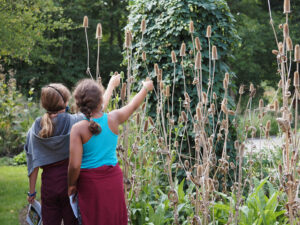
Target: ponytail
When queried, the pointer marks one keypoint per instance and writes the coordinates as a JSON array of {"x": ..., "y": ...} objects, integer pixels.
[
  {"x": 47, "y": 126},
  {"x": 94, "y": 127}
]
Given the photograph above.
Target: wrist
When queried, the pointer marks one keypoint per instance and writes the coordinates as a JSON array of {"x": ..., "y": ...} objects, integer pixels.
[
  {"x": 147, "y": 90},
  {"x": 31, "y": 194}
]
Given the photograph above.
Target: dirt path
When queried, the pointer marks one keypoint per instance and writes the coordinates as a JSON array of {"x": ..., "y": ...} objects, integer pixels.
[{"x": 260, "y": 144}]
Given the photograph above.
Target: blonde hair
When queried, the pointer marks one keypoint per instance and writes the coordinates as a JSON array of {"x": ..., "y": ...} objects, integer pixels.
[{"x": 53, "y": 99}]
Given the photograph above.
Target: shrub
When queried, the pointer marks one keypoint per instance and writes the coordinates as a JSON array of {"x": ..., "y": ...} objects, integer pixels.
[{"x": 17, "y": 113}]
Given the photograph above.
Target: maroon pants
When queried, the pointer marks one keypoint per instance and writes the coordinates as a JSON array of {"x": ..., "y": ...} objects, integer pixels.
[
  {"x": 54, "y": 194},
  {"x": 101, "y": 196}
]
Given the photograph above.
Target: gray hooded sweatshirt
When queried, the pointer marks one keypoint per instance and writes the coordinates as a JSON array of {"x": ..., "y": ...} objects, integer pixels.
[{"x": 45, "y": 151}]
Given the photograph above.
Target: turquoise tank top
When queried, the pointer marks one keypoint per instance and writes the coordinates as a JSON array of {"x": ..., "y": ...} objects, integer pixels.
[{"x": 100, "y": 150}]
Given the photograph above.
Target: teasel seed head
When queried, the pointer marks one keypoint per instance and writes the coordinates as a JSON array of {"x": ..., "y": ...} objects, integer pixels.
[
  {"x": 128, "y": 39},
  {"x": 156, "y": 69},
  {"x": 214, "y": 53},
  {"x": 138, "y": 118},
  {"x": 146, "y": 126},
  {"x": 199, "y": 170},
  {"x": 215, "y": 96},
  {"x": 198, "y": 61},
  {"x": 297, "y": 53},
  {"x": 296, "y": 79},
  {"x": 280, "y": 48},
  {"x": 143, "y": 106},
  {"x": 261, "y": 104},
  {"x": 198, "y": 44},
  {"x": 208, "y": 31},
  {"x": 213, "y": 108},
  {"x": 184, "y": 116},
  {"x": 224, "y": 108},
  {"x": 144, "y": 57},
  {"x": 182, "y": 49},
  {"x": 275, "y": 52},
  {"x": 123, "y": 91},
  {"x": 251, "y": 87},
  {"x": 225, "y": 83},
  {"x": 191, "y": 27},
  {"x": 236, "y": 144},
  {"x": 241, "y": 90},
  {"x": 143, "y": 26},
  {"x": 268, "y": 125},
  {"x": 227, "y": 76},
  {"x": 285, "y": 30},
  {"x": 204, "y": 97},
  {"x": 289, "y": 44},
  {"x": 199, "y": 114},
  {"x": 99, "y": 31},
  {"x": 168, "y": 91},
  {"x": 286, "y": 6},
  {"x": 161, "y": 85},
  {"x": 276, "y": 105},
  {"x": 85, "y": 22},
  {"x": 173, "y": 56},
  {"x": 231, "y": 112},
  {"x": 151, "y": 121},
  {"x": 176, "y": 144},
  {"x": 186, "y": 164}
]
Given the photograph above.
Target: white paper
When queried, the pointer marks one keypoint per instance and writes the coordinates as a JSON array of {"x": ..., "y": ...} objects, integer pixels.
[
  {"x": 74, "y": 205},
  {"x": 34, "y": 214}
]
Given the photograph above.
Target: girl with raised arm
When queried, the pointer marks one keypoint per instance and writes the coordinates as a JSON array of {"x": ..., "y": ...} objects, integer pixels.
[
  {"x": 93, "y": 165},
  {"x": 47, "y": 147}
]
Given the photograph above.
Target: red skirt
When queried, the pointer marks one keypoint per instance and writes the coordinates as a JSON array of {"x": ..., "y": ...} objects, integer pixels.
[{"x": 101, "y": 196}]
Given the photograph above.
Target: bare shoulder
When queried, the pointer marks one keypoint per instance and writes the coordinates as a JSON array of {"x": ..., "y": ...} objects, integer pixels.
[
  {"x": 112, "y": 119},
  {"x": 81, "y": 125}
]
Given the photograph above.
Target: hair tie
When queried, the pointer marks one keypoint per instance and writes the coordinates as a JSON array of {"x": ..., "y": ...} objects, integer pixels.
[{"x": 57, "y": 92}]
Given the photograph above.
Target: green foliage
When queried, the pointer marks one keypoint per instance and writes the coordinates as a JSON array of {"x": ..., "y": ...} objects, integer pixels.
[
  {"x": 16, "y": 115},
  {"x": 254, "y": 120},
  {"x": 265, "y": 205},
  {"x": 61, "y": 54},
  {"x": 20, "y": 159}
]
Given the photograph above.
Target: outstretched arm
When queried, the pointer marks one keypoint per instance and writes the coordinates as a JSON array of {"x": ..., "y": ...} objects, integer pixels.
[
  {"x": 113, "y": 83},
  {"x": 74, "y": 159},
  {"x": 121, "y": 115}
]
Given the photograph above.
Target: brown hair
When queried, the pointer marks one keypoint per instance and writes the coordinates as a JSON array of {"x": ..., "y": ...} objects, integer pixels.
[
  {"x": 53, "y": 99},
  {"x": 88, "y": 95}
]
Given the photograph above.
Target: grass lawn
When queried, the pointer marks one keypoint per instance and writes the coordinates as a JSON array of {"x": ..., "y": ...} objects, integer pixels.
[{"x": 13, "y": 192}]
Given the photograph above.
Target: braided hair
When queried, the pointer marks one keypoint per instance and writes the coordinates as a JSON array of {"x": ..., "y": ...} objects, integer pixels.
[{"x": 88, "y": 96}]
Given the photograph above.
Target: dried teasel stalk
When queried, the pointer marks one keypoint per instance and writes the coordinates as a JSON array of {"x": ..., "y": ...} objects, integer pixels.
[
  {"x": 183, "y": 50},
  {"x": 198, "y": 61},
  {"x": 297, "y": 53},
  {"x": 289, "y": 44},
  {"x": 85, "y": 22},
  {"x": 161, "y": 85},
  {"x": 285, "y": 30},
  {"x": 159, "y": 76},
  {"x": 199, "y": 114},
  {"x": 198, "y": 44},
  {"x": 123, "y": 91},
  {"x": 191, "y": 27},
  {"x": 214, "y": 53},
  {"x": 186, "y": 164},
  {"x": 99, "y": 31},
  {"x": 286, "y": 6},
  {"x": 208, "y": 31},
  {"x": 225, "y": 83},
  {"x": 173, "y": 56},
  {"x": 144, "y": 57},
  {"x": 143, "y": 26}
]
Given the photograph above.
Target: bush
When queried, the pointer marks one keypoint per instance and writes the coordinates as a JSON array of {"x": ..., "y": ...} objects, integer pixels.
[{"x": 17, "y": 113}]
